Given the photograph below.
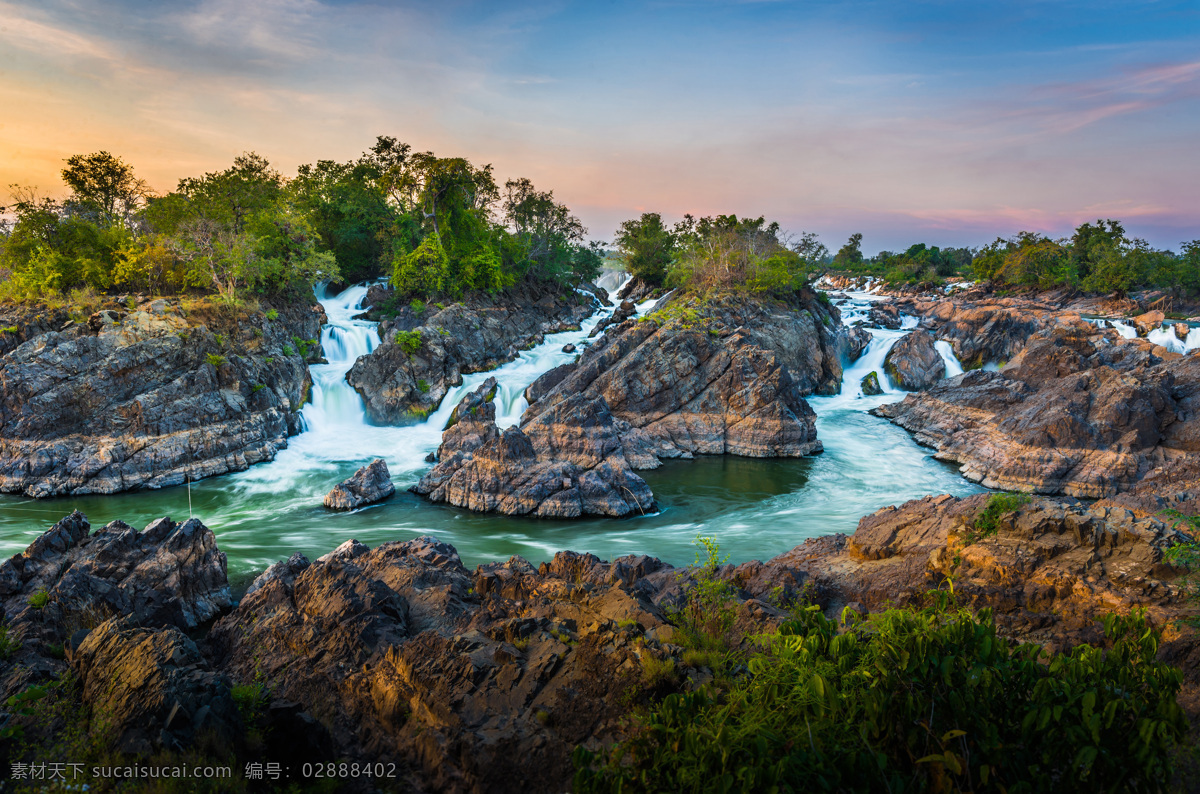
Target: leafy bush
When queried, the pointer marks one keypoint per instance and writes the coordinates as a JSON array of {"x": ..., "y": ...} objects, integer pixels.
[
  {"x": 928, "y": 699},
  {"x": 409, "y": 341},
  {"x": 39, "y": 600},
  {"x": 272, "y": 314},
  {"x": 215, "y": 360}
]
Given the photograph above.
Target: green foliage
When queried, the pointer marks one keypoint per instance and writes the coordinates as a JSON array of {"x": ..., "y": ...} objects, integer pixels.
[
  {"x": 256, "y": 388},
  {"x": 1186, "y": 554},
  {"x": 272, "y": 315},
  {"x": 12, "y": 329},
  {"x": 215, "y": 360},
  {"x": 709, "y": 612},
  {"x": 305, "y": 345},
  {"x": 22, "y": 704},
  {"x": 417, "y": 305},
  {"x": 9, "y": 644},
  {"x": 999, "y": 504},
  {"x": 928, "y": 699},
  {"x": 647, "y": 247},
  {"x": 409, "y": 341},
  {"x": 39, "y": 600}
]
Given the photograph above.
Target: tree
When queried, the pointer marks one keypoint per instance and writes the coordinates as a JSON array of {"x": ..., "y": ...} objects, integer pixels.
[
  {"x": 553, "y": 238},
  {"x": 849, "y": 255},
  {"x": 231, "y": 196},
  {"x": 1090, "y": 243},
  {"x": 646, "y": 247},
  {"x": 104, "y": 187}
]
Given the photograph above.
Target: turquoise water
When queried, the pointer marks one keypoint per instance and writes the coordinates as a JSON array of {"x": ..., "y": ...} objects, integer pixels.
[{"x": 756, "y": 508}]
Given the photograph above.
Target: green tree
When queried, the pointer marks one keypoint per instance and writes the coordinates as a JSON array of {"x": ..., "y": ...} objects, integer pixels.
[
  {"x": 849, "y": 256},
  {"x": 1090, "y": 243},
  {"x": 103, "y": 187},
  {"x": 231, "y": 196},
  {"x": 646, "y": 247}
]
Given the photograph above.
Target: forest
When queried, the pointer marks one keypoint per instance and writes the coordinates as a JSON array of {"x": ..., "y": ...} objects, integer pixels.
[{"x": 435, "y": 225}]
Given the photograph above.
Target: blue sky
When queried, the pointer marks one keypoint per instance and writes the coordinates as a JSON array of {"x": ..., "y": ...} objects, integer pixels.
[{"x": 945, "y": 122}]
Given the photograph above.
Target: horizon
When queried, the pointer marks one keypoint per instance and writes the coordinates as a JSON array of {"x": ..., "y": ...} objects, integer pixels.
[{"x": 909, "y": 123}]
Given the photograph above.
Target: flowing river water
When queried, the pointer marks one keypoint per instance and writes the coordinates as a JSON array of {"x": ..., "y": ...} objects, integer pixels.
[{"x": 756, "y": 508}]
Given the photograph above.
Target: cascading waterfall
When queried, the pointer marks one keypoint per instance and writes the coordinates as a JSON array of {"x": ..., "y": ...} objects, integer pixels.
[
  {"x": 953, "y": 365},
  {"x": 1166, "y": 337}
]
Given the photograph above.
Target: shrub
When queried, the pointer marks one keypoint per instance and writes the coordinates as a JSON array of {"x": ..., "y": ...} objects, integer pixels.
[
  {"x": 423, "y": 386},
  {"x": 919, "y": 699},
  {"x": 272, "y": 314},
  {"x": 39, "y": 600},
  {"x": 999, "y": 504},
  {"x": 215, "y": 359},
  {"x": 256, "y": 388},
  {"x": 410, "y": 341}
]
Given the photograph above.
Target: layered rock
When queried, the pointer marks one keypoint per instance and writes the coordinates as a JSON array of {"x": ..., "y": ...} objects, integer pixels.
[
  {"x": 986, "y": 330},
  {"x": 422, "y": 356},
  {"x": 370, "y": 484},
  {"x": 884, "y": 315},
  {"x": 1048, "y": 568},
  {"x": 571, "y": 463},
  {"x": 914, "y": 363},
  {"x": 148, "y": 397},
  {"x": 1079, "y": 411}
]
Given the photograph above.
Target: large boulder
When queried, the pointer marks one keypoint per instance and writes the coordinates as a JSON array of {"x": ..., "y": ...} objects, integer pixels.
[
  {"x": 914, "y": 363},
  {"x": 370, "y": 484},
  {"x": 1150, "y": 321},
  {"x": 885, "y": 315}
]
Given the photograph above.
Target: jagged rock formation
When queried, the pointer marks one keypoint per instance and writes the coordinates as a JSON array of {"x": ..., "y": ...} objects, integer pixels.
[
  {"x": 370, "y": 484},
  {"x": 857, "y": 339},
  {"x": 148, "y": 397},
  {"x": 870, "y": 384},
  {"x": 423, "y": 355},
  {"x": 914, "y": 363},
  {"x": 1048, "y": 569},
  {"x": 1079, "y": 411},
  {"x": 987, "y": 330},
  {"x": 623, "y": 312},
  {"x": 571, "y": 463},
  {"x": 885, "y": 315}
]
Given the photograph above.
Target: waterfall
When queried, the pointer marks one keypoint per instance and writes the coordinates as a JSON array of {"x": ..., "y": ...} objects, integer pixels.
[
  {"x": 1166, "y": 337},
  {"x": 953, "y": 366},
  {"x": 343, "y": 340}
]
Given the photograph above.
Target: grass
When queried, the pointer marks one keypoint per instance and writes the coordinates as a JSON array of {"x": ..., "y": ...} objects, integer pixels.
[
  {"x": 39, "y": 600},
  {"x": 272, "y": 314},
  {"x": 657, "y": 671},
  {"x": 988, "y": 522}
]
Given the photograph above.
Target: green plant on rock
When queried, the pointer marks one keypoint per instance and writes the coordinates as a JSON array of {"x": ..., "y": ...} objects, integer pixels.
[
  {"x": 1186, "y": 554},
  {"x": 710, "y": 610},
  {"x": 911, "y": 700},
  {"x": 9, "y": 644},
  {"x": 409, "y": 341},
  {"x": 288, "y": 350},
  {"x": 39, "y": 600},
  {"x": 215, "y": 359},
  {"x": 423, "y": 386},
  {"x": 12, "y": 329},
  {"x": 988, "y": 522},
  {"x": 272, "y": 314}
]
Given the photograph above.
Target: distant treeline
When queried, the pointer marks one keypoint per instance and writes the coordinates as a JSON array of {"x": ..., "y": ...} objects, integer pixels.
[
  {"x": 437, "y": 226},
  {"x": 1099, "y": 257}
]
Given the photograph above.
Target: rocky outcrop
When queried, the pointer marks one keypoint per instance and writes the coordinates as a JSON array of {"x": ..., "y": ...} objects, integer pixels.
[
  {"x": 370, "y": 484},
  {"x": 1150, "y": 321},
  {"x": 153, "y": 690},
  {"x": 1047, "y": 568},
  {"x": 467, "y": 680},
  {"x": 870, "y": 384},
  {"x": 425, "y": 354},
  {"x": 884, "y": 315},
  {"x": 70, "y": 580},
  {"x": 986, "y": 330},
  {"x": 623, "y": 312},
  {"x": 1079, "y": 411},
  {"x": 637, "y": 291},
  {"x": 149, "y": 396},
  {"x": 569, "y": 464},
  {"x": 857, "y": 339},
  {"x": 914, "y": 363}
]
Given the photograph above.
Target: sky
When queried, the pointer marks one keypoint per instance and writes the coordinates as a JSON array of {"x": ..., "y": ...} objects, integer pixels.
[{"x": 910, "y": 121}]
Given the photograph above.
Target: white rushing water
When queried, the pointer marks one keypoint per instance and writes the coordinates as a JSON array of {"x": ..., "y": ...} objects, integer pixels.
[
  {"x": 953, "y": 365},
  {"x": 1167, "y": 337}
]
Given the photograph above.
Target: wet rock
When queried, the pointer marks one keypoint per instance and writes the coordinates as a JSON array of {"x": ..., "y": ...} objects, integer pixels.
[
  {"x": 986, "y": 330},
  {"x": 914, "y": 363},
  {"x": 1181, "y": 331},
  {"x": 857, "y": 339},
  {"x": 1150, "y": 321},
  {"x": 152, "y": 690},
  {"x": 884, "y": 315},
  {"x": 870, "y": 384},
  {"x": 1079, "y": 412},
  {"x": 148, "y": 398},
  {"x": 372, "y": 483},
  {"x": 544, "y": 384},
  {"x": 568, "y": 348},
  {"x": 623, "y": 312},
  {"x": 478, "y": 404}
]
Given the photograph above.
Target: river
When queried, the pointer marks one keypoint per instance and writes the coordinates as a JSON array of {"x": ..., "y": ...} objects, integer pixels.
[{"x": 756, "y": 508}]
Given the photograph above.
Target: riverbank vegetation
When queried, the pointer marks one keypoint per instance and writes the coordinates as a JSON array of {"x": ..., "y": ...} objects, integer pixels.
[
  {"x": 926, "y": 698},
  {"x": 438, "y": 226},
  {"x": 1099, "y": 257}
]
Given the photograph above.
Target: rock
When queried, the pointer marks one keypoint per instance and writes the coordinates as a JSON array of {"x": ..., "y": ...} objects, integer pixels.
[
  {"x": 987, "y": 329},
  {"x": 577, "y": 468},
  {"x": 1181, "y": 331},
  {"x": 914, "y": 363},
  {"x": 152, "y": 690},
  {"x": 548, "y": 380},
  {"x": 1079, "y": 412},
  {"x": 166, "y": 575},
  {"x": 370, "y": 484},
  {"x": 857, "y": 339},
  {"x": 147, "y": 398},
  {"x": 885, "y": 315},
  {"x": 622, "y": 313},
  {"x": 870, "y": 384},
  {"x": 1047, "y": 571},
  {"x": 1150, "y": 321},
  {"x": 568, "y": 348},
  {"x": 422, "y": 357},
  {"x": 637, "y": 291}
]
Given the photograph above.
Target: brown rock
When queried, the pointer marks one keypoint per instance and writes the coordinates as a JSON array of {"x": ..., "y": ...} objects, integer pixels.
[
  {"x": 914, "y": 363},
  {"x": 1150, "y": 321},
  {"x": 372, "y": 483}
]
